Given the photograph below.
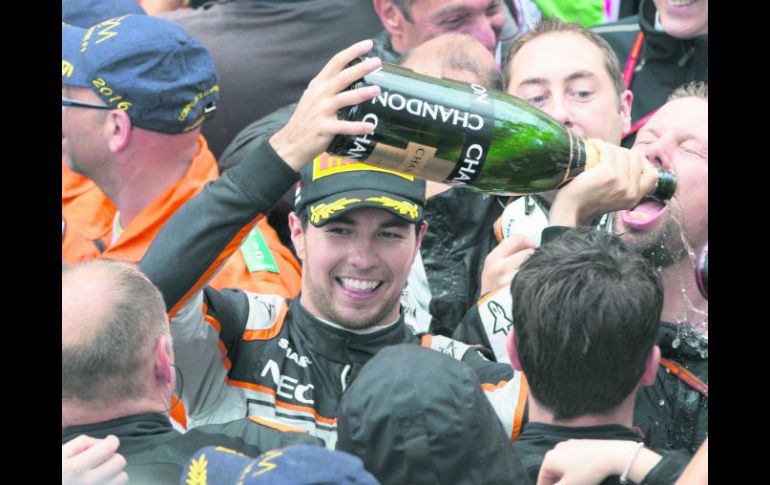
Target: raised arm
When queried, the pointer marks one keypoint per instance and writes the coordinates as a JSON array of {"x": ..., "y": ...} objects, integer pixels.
[{"x": 209, "y": 227}]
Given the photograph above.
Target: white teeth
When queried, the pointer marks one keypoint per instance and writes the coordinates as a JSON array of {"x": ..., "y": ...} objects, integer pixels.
[
  {"x": 681, "y": 3},
  {"x": 359, "y": 284}
]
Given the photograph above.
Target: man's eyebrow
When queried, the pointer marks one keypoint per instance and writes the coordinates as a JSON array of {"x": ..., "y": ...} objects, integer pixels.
[
  {"x": 343, "y": 219},
  {"x": 533, "y": 80},
  {"x": 696, "y": 142},
  {"x": 582, "y": 74},
  {"x": 449, "y": 9},
  {"x": 395, "y": 222}
]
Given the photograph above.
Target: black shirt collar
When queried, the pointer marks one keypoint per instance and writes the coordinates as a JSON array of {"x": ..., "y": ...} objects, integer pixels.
[
  {"x": 341, "y": 345},
  {"x": 134, "y": 432}
]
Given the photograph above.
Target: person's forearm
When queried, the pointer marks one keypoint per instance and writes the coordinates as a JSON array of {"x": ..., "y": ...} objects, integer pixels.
[{"x": 208, "y": 228}]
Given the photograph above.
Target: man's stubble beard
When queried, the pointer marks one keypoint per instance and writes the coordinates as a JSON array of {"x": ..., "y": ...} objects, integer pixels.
[
  {"x": 663, "y": 246},
  {"x": 325, "y": 306}
]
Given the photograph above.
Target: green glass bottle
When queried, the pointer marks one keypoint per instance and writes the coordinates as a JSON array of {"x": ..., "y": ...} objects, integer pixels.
[{"x": 464, "y": 134}]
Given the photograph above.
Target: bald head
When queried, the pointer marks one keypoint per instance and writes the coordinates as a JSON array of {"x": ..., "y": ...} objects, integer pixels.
[
  {"x": 87, "y": 293},
  {"x": 112, "y": 318},
  {"x": 455, "y": 56}
]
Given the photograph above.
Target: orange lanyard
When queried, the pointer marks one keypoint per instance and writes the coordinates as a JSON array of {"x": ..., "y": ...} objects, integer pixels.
[
  {"x": 628, "y": 76},
  {"x": 686, "y": 376},
  {"x": 633, "y": 59}
]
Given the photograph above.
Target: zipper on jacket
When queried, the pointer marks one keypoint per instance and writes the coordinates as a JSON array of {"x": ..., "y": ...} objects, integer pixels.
[{"x": 686, "y": 57}]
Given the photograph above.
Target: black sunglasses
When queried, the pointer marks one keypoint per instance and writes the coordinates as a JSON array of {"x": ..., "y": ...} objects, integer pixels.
[{"x": 77, "y": 104}]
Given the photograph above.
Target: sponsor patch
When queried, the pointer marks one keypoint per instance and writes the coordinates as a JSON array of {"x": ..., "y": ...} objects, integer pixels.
[{"x": 325, "y": 164}]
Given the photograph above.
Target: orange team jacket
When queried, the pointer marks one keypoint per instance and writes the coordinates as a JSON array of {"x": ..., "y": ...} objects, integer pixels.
[{"x": 262, "y": 265}]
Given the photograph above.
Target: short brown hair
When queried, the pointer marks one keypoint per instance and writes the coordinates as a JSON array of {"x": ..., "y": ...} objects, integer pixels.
[
  {"x": 694, "y": 89},
  {"x": 586, "y": 310},
  {"x": 457, "y": 53},
  {"x": 554, "y": 25},
  {"x": 108, "y": 366}
]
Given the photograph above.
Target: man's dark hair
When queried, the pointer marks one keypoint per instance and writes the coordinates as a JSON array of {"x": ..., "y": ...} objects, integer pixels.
[
  {"x": 108, "y": 365},
  {"x": 552, "y": 25},
  {"x": 586, "y": 311}
]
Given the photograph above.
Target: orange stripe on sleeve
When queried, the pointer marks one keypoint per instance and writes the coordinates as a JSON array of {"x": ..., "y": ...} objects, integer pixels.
[
  {"x": 487, "y": 297},
  {"x": 281, "y": 404},
  {"x": 520, "y": 405},
  {"x": 486, "y": 386},
  {"x": 426, "y": 341},
  {"x": 221, "y": 345},
  {"x": 271, "y": 332},
  {"x": 279, "y": 427},
  {"x": 231, "y": 247}
]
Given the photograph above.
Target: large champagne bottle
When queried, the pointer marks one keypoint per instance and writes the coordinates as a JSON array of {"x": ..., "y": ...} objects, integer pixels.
[{"x": 464, "y": 134}]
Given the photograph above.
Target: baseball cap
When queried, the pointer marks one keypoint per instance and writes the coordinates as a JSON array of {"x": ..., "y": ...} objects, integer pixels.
[
  {"x": 149, "y": 67},
  {"x": 293, "y": 465},
  {"x": 331, "y": 186},
  {"x": 85, "y": 13}
]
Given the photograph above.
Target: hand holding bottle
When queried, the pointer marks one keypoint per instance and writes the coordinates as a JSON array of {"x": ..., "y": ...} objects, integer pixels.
[
  {"x": 314, "y": 122},
  {"x": 618, "y": 181}
]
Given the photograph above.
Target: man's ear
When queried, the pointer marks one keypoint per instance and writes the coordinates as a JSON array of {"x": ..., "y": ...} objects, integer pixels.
[
  {"x": 651, "y": 367},
  {"x": 423, "y": 229},
  {"x": 390, "y": 16},
  {"x": 297, "y": 235},
  {"x": 163, "y": 360},
  {"x": 513, "y": 355},
  {"x": 118, "y": 130},
  {"x": 626, "y": 100}
]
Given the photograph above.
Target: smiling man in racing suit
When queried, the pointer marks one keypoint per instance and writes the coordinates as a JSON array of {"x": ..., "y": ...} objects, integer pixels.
[{"x": 357, "y": 231}]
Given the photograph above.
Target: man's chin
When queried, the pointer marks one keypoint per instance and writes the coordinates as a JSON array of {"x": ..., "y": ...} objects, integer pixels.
[
  {"x": 359, "y": 317},
  {"x": 660, "y": 242}
]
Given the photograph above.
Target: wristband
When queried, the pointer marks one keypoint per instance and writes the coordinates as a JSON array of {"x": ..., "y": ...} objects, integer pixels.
[{"x": 624, "y": 476}]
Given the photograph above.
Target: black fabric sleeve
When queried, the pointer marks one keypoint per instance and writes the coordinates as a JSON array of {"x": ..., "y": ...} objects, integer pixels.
[
  {"x": 668, "y": 469},
  {"x": 253, "y": 135},
  {"x": 486, "y": 370},
  {"x": 470, "y": 330},
  {"x": 193, "y": 243}
]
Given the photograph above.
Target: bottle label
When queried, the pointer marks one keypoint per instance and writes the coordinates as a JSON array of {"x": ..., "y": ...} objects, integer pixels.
[
  {"x": 416, "y": 160},
  {"x": 476, "y": 146},
  {"x": 417, "y": 119},
  {"x": 417, "y": 157}
]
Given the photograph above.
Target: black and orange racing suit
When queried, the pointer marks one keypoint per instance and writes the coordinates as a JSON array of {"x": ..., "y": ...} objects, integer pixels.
[{"x": 243, "y": 353}]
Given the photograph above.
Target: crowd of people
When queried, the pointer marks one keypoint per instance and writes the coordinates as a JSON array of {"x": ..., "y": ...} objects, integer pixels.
[{"x": 239, "y": 305}]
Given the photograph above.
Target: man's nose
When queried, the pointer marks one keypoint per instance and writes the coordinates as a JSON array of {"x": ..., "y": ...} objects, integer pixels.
[
  {"x": 659, "y": 152},
  {"x": 362, "y": 253},
  {"x": 484, "y": 32},
  {"x": 559, "y": 110}
]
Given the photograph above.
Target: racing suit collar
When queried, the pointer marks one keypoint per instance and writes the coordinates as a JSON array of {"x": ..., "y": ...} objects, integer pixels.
[{"x": 344, "y": 346}]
